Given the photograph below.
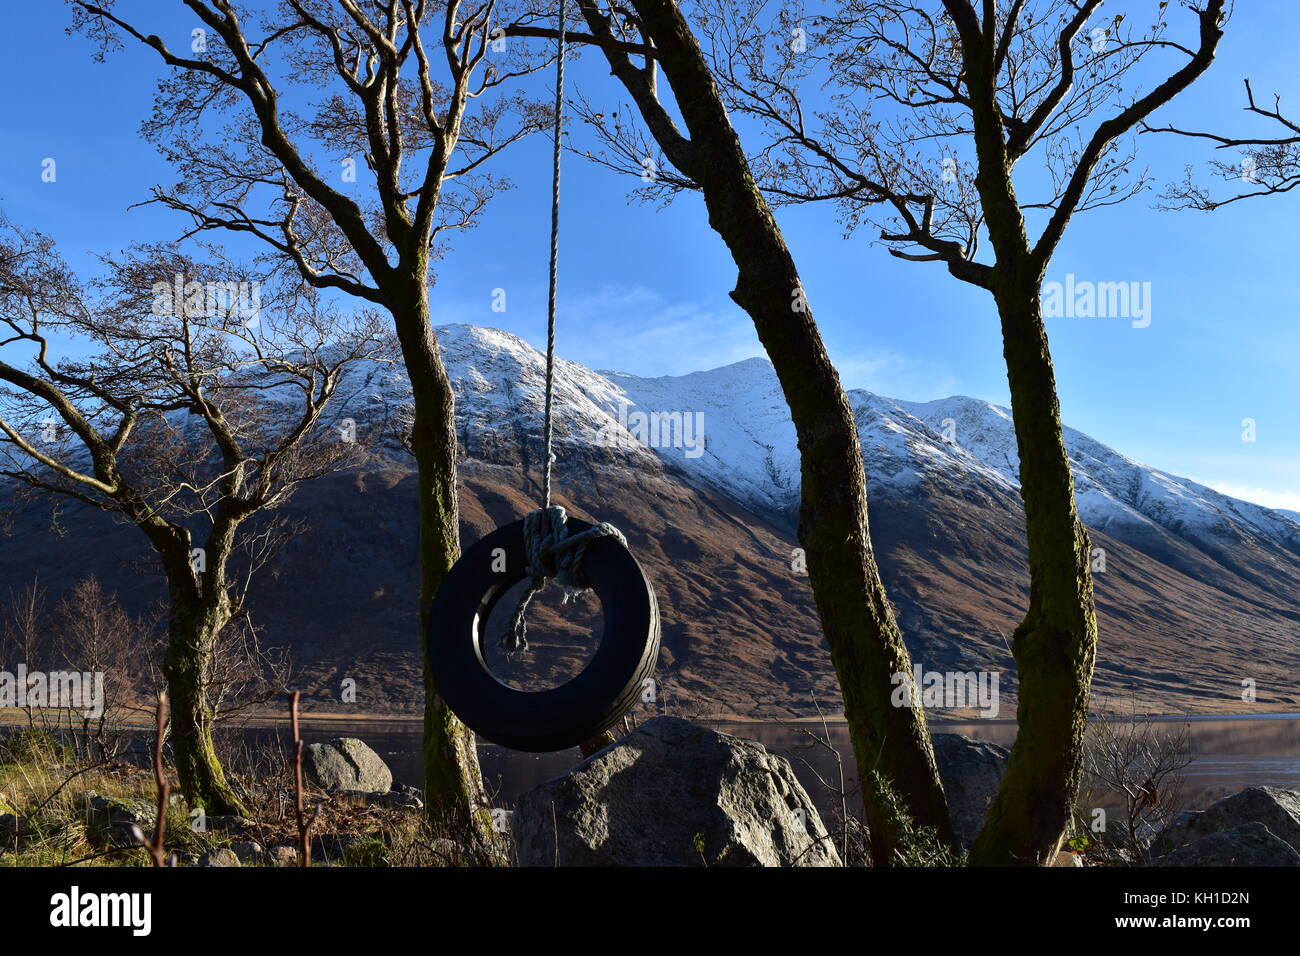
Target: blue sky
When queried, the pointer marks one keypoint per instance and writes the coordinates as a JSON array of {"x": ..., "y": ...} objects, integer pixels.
[{"x": 645, "y": 290}]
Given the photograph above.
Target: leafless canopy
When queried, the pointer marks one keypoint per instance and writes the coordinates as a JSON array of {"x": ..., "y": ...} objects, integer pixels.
[
  {"x": 1265, "y": 166},
  {"x": 171, "y": 408},
  {"x": 424, "y": 93},
  {"x": 870, "y": 104},
  {"x": 1139, "y": 761}
]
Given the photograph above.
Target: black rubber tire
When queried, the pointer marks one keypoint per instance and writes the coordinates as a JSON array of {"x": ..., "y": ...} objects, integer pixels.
[{"x": 563, "y": 716}]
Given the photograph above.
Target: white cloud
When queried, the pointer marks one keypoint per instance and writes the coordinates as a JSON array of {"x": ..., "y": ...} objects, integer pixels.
[
  {"x": 1268, "y": 497},
  {"x": 895, "y": 375},
  {"x": 635, "y": 330}
]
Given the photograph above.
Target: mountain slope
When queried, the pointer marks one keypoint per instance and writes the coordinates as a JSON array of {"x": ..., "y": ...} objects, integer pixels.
[{"x": 1197, "y": 595}]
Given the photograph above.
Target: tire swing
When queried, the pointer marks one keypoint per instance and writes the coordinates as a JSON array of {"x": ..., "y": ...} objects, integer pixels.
[{"x": 545, "y": 544}]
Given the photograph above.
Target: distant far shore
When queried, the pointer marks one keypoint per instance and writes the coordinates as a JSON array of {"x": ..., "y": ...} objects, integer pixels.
[{"x": 142, "y": 719}]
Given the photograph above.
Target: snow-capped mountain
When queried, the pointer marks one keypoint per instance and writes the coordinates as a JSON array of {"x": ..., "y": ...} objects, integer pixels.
[
  {"x": 1199, "y": 591},
  {"x": 748, "y": 441}
]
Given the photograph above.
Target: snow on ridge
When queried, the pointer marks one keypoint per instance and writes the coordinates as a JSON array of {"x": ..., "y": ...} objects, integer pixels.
[
  {"x": 749, "y": 448},
  {"x": 1112, "y": 489}
]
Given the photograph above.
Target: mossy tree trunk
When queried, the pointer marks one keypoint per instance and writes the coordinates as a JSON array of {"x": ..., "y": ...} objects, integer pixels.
[
  {"x": 454, "y": 791},
  {"x": 200, "y": 609},
  {"x": 866, "y": 645},
  {"x": 192, "y": 635},
  {"x": 1055, "y": 646}
]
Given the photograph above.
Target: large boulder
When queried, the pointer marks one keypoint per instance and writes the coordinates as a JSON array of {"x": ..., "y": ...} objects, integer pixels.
[
  {"x": 1277, "y": 809},
  {"x": 971, "y": 771},
  {"x": 673, "y": 794},
  {"x": 114, "y": 821},
  {"x": 346, "y": 764},
  {"x": 1251, "y": 844}
]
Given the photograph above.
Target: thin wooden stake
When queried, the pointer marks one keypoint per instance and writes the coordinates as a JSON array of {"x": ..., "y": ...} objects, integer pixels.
[{"x": 304, "y": 822}]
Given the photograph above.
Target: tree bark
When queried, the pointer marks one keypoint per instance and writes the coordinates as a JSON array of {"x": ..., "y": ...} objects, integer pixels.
[
  {"x": 1055, "y": 646},
  {"x": 866, "y": 645},
  {"x": 192, "y": 633},
  {"x": 454, "y": 793}
]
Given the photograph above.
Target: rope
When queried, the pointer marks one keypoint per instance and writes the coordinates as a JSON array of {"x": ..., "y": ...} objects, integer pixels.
[
  {"x": 555, "y": 255},
  {"x": 552, "y": 551}
]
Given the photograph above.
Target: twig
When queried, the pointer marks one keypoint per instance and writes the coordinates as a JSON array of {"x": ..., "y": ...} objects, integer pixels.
[
  {"x": 305, "y": 823},
  {"x": 156, "y": 847}
]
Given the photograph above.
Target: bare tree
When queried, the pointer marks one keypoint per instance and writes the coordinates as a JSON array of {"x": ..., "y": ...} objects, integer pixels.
[
  {"x": 426, "y": 94},
  {"x": 182, "y": 415},
  {"x": 928, "y": 110},
  {"x": 1141, "y": 761},
  {"x": 866, "y": 644},
  {"x": 23, "y": 634},
  {"x": 1265, "y": 165},
  {"x": 96, "y": 635}
]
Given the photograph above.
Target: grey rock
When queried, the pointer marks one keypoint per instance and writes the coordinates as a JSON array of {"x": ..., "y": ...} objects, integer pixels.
[
  {"x": 673, "y": 794},
  {"x": 106, "y": 811},
  {"x": 1277, "y": 809},
  {"x": 971, "y": 771},
  {"x": 119, "y": 835},
  {"x": 250, "y": 852},
  {"x": 115, "y": 821},
  {"x": 221, "y": 856},
  {"x": 346, "y": 764},
  {"x": 397, "y": 800},
  {"x": 282, "y": 855},
  {"x": 1251, "y": 844}
]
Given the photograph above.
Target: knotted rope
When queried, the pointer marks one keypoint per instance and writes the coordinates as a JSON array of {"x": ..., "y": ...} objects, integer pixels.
[{"x": 552, "y": 551}]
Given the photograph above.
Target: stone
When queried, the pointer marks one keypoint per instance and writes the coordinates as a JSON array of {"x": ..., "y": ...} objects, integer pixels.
[
  {"x": 673, "y": 793},
  {"x": 250, "y": 852},
  {"x": 1251, "y": 844},
  {"x": 221, "y": 856},
  {"x": 104, "y": 811},
  {"x": 1066, "y": 858},
  {"x": 397, "y": 800},
  {"x": 971, "y": 771},
  {"x": 1277, "y": 809},
  {"x": 115, "y": 821},
  {"x": 346, "y": 763},
  {"x": 282, "y": 855}
]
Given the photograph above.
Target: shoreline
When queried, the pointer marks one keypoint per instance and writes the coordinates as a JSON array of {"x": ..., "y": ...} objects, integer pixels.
[{"x": 14, "y": 717}]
